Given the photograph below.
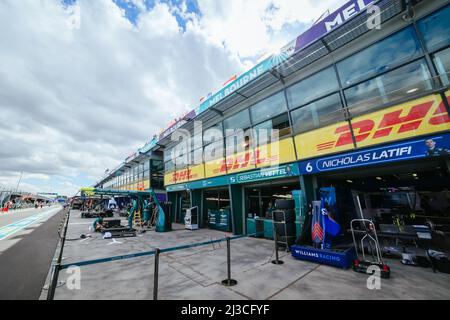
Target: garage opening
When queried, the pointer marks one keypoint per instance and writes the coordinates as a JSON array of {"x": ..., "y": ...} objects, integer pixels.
[
  {"x": 260, "y": 200},
  {"x": 396, "y": 197},
  {"x": 217, "y": 209}
]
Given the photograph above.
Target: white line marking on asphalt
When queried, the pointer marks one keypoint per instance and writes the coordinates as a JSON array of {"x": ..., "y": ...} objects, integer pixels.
[
  {"x": 17, "y": 226},
  {"x": 114, "y": 241}
]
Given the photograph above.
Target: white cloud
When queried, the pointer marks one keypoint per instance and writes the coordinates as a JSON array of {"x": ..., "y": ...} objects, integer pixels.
[
  {"x": 256, "y": 27},
  {"x": 76, "y": 99}
]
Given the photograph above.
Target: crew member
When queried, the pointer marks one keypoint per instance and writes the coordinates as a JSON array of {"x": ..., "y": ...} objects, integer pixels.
[
  {"x": 131, "y": 213},
  {"x": 270, "y": 210},
  {"x": 147, "y": 211},
  {"x": 98, "y": 225}
]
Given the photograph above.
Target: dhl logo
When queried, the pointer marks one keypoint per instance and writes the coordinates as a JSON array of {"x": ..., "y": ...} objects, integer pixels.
[
  {"x": 244, "y": 161},
  {"x": 183, "y": 175},
  {"x": 140, "y": 186},
  {"x": 392, "y": 123}
]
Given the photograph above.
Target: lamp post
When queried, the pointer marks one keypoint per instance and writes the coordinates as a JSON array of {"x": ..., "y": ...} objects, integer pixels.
[{"x": 18, "y": 182}]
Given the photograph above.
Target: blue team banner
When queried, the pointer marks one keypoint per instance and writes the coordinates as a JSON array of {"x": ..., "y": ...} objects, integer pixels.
[{"x": 433, "y": 146}]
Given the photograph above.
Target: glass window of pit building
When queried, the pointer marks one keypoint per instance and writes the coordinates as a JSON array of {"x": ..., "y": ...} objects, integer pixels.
[
  {"x": 169, "y": 166},
  {"x": 272, "y": 130},
  {"x": 270, "y": 114},
  {"x": 268, "y": 108},
  {"x": 380, "y": 57},
  {"x": 378, "y": 73},
  {"x": 213, "y": 142},
  {"x": 313, "y": 103},
  {"x": 238, "y": 137},
  {"x": 442, "y": 62},
  {"x": 318, "y": 114},
  {"x": 195, "y": 151},
  {"x": 239, "y": 121},
  {"x": 435, "y": 30},
  {"x": 316, "y": 86},
  {"x": 212, "y": 134},
  {"x": 157, "y": 174},
  {"x": 392, "y": 86}
]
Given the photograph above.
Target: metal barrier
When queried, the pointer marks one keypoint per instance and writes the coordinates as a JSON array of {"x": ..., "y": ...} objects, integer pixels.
[
  {"x": 277, "y": 260},
  {"x": 57, "y": 266},
  {"x": 156, "y": 275},
  {"x": 157, "y": 253},
  {"x": 229, "y": 282}
]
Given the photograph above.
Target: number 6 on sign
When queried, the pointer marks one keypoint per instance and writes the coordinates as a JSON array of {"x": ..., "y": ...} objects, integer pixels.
[{"x": 309, "y": 168}]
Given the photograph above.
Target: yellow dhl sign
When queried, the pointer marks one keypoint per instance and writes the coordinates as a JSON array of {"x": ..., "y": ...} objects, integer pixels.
[
  {"x": 212, "y": 168},
  {"x": 184, "y": 175},
  {"x": 142, "y": 185},
  {"x": 265, "y": 156},
  {"x": 278, "y": 152},
  {"x": 197, "y": 172},
  {"x": 418, "y": 117},
  {"x": 169, "y": 178}
]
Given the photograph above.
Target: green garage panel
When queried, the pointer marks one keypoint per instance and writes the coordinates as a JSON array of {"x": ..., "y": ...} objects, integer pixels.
[
  {"x": 236, "y": 207},
  {"x": 268, "y": 228},
  {"x": 300, "y": 210},
  {"x": 307, "y": 183},
  {"x": 298, "y": 228},
  {"x": 255, "y": 226}
]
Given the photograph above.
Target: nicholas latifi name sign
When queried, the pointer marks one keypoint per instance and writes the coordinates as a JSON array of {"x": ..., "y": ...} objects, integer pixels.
[{"x": 432, "y": 146}]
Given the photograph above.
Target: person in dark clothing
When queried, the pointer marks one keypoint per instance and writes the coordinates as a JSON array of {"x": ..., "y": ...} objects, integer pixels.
[{"x": 433, "y": 150}]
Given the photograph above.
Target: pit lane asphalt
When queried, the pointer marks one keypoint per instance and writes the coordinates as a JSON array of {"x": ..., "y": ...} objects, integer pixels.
[{"x": 25, "y": 264}]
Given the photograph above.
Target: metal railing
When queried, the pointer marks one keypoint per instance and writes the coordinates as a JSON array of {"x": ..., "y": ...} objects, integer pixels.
[{"x": 57, "y": 267}]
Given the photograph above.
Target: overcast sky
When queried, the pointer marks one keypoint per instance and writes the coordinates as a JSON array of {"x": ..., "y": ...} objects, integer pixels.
[{"x": 84, "y": 83}]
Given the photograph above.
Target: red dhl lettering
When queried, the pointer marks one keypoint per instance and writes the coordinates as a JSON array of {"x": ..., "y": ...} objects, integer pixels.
[
  {"x": 182, "y": 175},
  {"x": 441, "y": 115},
  {"x": 363, "y": 129},
  {"x": 245, "y": 160},
  {"x": 411, "y": 121}
]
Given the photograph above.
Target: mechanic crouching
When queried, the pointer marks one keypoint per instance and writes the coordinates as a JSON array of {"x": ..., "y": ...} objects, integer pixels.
[{"x": 98, "y": 225}]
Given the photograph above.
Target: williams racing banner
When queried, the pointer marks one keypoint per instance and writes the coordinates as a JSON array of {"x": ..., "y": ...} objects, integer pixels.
[{"x": 428, "y": 147}]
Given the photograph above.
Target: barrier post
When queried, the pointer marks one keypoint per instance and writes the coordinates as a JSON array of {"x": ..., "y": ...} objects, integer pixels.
[
  {"x": 155, "y": 276},
  {"x": 229, "y": 282},
  {"x": 277, "y": 261}
]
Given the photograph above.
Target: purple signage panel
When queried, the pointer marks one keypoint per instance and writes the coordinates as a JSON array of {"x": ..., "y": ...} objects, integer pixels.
[
  {"x": 178, "y": 124},
  {"x": 340, "y": 16}
]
